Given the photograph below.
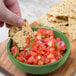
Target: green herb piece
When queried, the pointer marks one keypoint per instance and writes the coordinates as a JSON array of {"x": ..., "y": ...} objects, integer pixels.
[
  {"x": 42, "y": 36},
  {"x": 39, "y": 57},
  {"x": 42, "y": 62},
  {"x": 15, "y": 55},
  {"x": 28, "y": 48},
  {"x": 47, "y": 31},
  {"x": 31, "y": 40},
  {"x": 61, "y": 56},
  {"x": 56, "y": 45}
]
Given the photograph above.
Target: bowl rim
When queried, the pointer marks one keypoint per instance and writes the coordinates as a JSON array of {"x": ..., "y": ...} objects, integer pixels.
[{"x": 36, "y": 27}]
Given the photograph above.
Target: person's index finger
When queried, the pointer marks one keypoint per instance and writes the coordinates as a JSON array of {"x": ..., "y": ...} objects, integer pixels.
[{"x": 13, "y": 6}]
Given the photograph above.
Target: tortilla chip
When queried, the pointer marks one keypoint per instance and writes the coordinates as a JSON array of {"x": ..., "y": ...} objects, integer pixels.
[
  {"x": 72, "y": 5},
  {"x": 72, "y": 29},
  {"x": 20, "y": 36},
  {"x": 58, "y": 10},
  {"x": 14, "y": 29},
  {"x": 63, "y": 26}
]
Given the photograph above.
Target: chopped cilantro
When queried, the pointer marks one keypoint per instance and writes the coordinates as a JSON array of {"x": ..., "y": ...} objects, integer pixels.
[
  {"x": 31, "y": 40},
  {"x": 56, "y": 45},
  {"x": 28, "y": 48},
  {"x": 42, "y": 36},
  {"x": 15, "y": 55}
]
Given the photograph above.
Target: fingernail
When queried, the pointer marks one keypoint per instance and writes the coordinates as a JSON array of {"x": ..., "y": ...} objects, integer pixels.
[{"x": 20, "y": 22}]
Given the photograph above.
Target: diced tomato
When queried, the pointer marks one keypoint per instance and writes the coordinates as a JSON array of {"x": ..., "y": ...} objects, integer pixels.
[
  {"x": 64, "y": 47},
  {"x": 30, "y": 60},
  {"x": 43, "y": 52},
  {"x": 55, "y": 53},
  {"x": 52, "y": 49},
  {"x": 54, "y": 40},
  {"x": 35, "y": 61},
  {"x": 39, "y": 37},
  {"x": 50, "y": 56},
  {"x": 33, "y": 53},
  {"x": 25, "y": 47},
  {"x": 47, "y": 61},
  {"x": 59, "y": 48},
  {"x": 28, "y": 56},
  {"x": 62, "y": 54},
  {"x": 58, "y": 57},
  {"x": 42, "y": 48},
  {"x": 34, "y": 48},
  {"x": 40, "y": 31},
  {"x": 40, "y": 62},
  {"x": 58, "y": 39},
  {"x": 14, "y": 50},
  {"x": 53, "y": 60},
  {"x": 22, "y": 53},
  {"x": 51, "y": 32},
  {"x": 28, "y": 40},
  {"x": 21, "y": 59},
  {"x": 46, "y": 54},
  {"x": 43, "y": 58},
  {"x": 51, "y": 44},
  {"x": 14, "y": 43},
  {"x": 35, "y": 33}
]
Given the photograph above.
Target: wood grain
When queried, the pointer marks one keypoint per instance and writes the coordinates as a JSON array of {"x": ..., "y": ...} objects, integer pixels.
[{"x": 66, "y": 70}]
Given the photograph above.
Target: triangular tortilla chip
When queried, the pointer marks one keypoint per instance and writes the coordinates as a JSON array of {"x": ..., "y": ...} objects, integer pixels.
[
  {"x": 20, "y": 36},
  {"x": 14, "y": 29},
  {"x": 58, "y": 10},
  {"x": 72, "y": 29},
  {"x": 63, "y": 26}
]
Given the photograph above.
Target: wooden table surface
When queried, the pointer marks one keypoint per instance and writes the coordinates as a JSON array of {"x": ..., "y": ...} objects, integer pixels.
[{"x": 68, "y": 69}]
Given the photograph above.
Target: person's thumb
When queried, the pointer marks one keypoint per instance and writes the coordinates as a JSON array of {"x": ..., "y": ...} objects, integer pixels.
[{"x": 11, "y": 18}]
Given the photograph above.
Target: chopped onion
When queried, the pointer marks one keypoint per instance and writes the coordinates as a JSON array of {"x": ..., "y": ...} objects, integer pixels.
[
  {"x": 41, "y": 41},
  {"x": 50, "y": 43},
  {"x": 38, "y": 37},
  {"x": 35, "y": 32},
  {"x": 51, "y": 37},
  {"x": 61, "y": 43},
  {"x": 39, "y": 57}
]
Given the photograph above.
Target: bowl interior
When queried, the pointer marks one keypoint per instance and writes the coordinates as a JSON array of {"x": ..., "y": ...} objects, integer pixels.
[{"x": 57, "y": 34}]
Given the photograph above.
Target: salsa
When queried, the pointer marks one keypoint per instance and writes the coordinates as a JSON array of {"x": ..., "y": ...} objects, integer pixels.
[{"x": 42, "y": 48}]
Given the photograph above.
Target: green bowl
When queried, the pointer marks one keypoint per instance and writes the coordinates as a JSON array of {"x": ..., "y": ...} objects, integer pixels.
[{"x": 41, "y": 69}]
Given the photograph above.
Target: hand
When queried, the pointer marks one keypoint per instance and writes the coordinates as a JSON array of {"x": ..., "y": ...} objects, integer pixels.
[{"x": 10, "y": 13}]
